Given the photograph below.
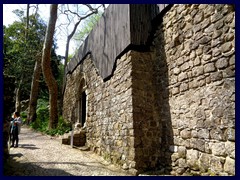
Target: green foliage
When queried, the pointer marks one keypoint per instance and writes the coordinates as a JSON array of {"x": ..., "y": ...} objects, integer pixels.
[
  {"x": 62, "y": 128},
  {"x": 87, "y": 26},
  {"x": 23, "y": 116},
  {"x": 41, "y": 123},
  {"x": 21, "y": 51}
]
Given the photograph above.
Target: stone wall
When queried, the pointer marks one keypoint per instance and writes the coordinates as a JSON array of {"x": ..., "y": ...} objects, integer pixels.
[
  {"x": 109, "y": 122},
  {"x": 195, "y": 47},
  {"x": 146, "y": 112},
  {"x": 172, "y": 108}
]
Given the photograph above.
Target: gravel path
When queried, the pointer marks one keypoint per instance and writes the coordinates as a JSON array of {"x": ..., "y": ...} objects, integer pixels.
[{"x": 41, "y": 155}]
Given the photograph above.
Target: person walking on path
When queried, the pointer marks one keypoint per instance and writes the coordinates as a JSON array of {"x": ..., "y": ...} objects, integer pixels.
[{"x": 15, "y": 128}]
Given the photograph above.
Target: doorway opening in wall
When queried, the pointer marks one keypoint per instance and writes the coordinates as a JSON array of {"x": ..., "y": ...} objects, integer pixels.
[{"x": 82, "y": 108}]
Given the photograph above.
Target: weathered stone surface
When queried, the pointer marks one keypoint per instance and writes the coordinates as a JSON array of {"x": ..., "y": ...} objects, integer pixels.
[
  {"x": 216, "y": 17},
  {"x": 230, "y": 149},
  {"x": 216, "y": 164},
  {"x": 209, "y": 67},
  {"x": 192, "y": 159},
  {"x": 182, "y": 151},
  {"x": 216, "y": 34},
  {"x": 229, "y": 166},
  {"x": 230, "y": 134},
  {"x": 182, "y": 76},
  {"x": 218, "y": 149},
  {"x": 206, "y": 57},
  {"x": 226, "y": 47},
  {"x": 218, "y": 25},
  {"x": 204, "y": 40},
  {"x": 185, "y": 134},
  {"x": 204, "y": 161},
  {"x": 198, "y": 18},
  {"x": 203, "y": 133},
  {"x": 216, "y": 76},
  {"x": 176, "y": 96}
]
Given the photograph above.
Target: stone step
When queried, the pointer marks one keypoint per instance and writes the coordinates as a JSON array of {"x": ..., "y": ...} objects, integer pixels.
[{"x": 79, "y": 138}]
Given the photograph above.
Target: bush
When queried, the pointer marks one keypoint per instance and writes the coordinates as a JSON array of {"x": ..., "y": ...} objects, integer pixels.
[
  {"x": 23, "y": 116},
  {"x": 42, "y": 121}
]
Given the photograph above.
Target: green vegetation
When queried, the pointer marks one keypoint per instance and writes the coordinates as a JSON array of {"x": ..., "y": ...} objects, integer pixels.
[{"x": 41, "y": 123}]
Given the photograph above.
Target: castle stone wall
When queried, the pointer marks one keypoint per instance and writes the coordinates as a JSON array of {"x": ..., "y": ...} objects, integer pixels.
[
  {"x": 171, "y": 109},
  {"x": 195, "y": 47}
]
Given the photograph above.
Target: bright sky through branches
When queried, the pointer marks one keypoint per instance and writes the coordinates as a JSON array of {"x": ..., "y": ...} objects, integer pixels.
[{"x": 61, "y": 31}]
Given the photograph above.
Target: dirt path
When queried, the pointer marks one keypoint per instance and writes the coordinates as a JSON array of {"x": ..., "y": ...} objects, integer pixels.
[{"x": 41, "y": 155}]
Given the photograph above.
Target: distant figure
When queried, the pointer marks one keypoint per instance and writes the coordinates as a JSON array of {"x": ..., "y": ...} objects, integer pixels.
[{"x": 15, "y": 128}]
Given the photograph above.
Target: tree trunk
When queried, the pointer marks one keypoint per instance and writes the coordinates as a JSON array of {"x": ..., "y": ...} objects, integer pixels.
[
  {"x": 46, "y": 68},
  {"x": 27, "y": 23},
  {"x": 32, "y": 115},
  {"x": 18, "y": 96}
]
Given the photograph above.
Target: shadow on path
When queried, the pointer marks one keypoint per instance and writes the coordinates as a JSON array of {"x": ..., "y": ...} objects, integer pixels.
[
  {"x": 28, "y": 146},
  {"x": 14, "y": 167}
]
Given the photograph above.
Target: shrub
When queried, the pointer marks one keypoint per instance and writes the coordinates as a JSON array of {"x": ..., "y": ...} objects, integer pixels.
[{"x": 42, "y": 121}]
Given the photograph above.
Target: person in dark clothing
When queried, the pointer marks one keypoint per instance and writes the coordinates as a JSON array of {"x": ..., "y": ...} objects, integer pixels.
[{"x": 15, "y": 128}]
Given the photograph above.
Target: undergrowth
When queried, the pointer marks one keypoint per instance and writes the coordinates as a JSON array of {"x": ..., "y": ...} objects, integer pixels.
[{"x": 42, "y": 121}]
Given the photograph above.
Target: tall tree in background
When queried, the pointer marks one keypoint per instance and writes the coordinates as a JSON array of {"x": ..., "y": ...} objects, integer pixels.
[
  {"x": 32, "y": 107},
  {"x": 80, "y": 18},
  {"x": 20, "y": 54},
  {"x": 46, "y": 67},
  {"x": 19, "y": 87},
  {"x": 87, "y": 26}
]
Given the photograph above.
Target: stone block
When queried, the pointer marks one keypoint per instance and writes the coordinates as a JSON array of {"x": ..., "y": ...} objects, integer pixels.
[
  {"x": 226, "y": 47},
  {"x": 204, "y": 162},
  {"x": 197, "y": 71},
  {"x": 192, "y": 159},
  {"x": 198, "y": 144},
  {"x": 199, "y": 17},
  {"x": 228, "y": 72},
  {"x": 229, "y": 166},
  {"x": 218, "y": 25},
  {"x": 230, "y": 149},
  {"x": 204, "y": 40},
  {"x": 216, "y": 76},
  {"x": 218, "y": 149},
  {"x": 230, "y": 133},
  {"x": 185, "y": 134},
  {"x": 182, "y": 151},
  {"x": 182, "y": 76},
  {"x": 216, "y": 164},
  {"x": 185, "y": 66},
  {"x": 183, "y": 87},
  {"x": 216, "y": 34},
  {"x": 216, "y": 52},
  {"x": 217, "y": 134},
  {"x": 221, "y": 63},
  {"x": 206, "y": 57},
  {"x": 209, "y": 67},
  {"x": 203, "y": 133},
  {"x": 216, "y": 17},
  {"x": 200, "y": 114},
  {"x": 174, "y": 157}
]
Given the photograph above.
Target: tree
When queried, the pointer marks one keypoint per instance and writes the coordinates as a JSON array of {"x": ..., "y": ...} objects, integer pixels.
[
  {"x": 87, "y": 26},
  {"x": 46, "y": 67},
  {"x": 20, "y": 54},
  {"x": 32, "y": 107},
  {"x": 71, "y": 14}
]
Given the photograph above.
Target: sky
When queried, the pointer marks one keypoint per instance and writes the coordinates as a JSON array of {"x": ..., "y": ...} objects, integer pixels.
[{"x": 61, "y": 30}]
